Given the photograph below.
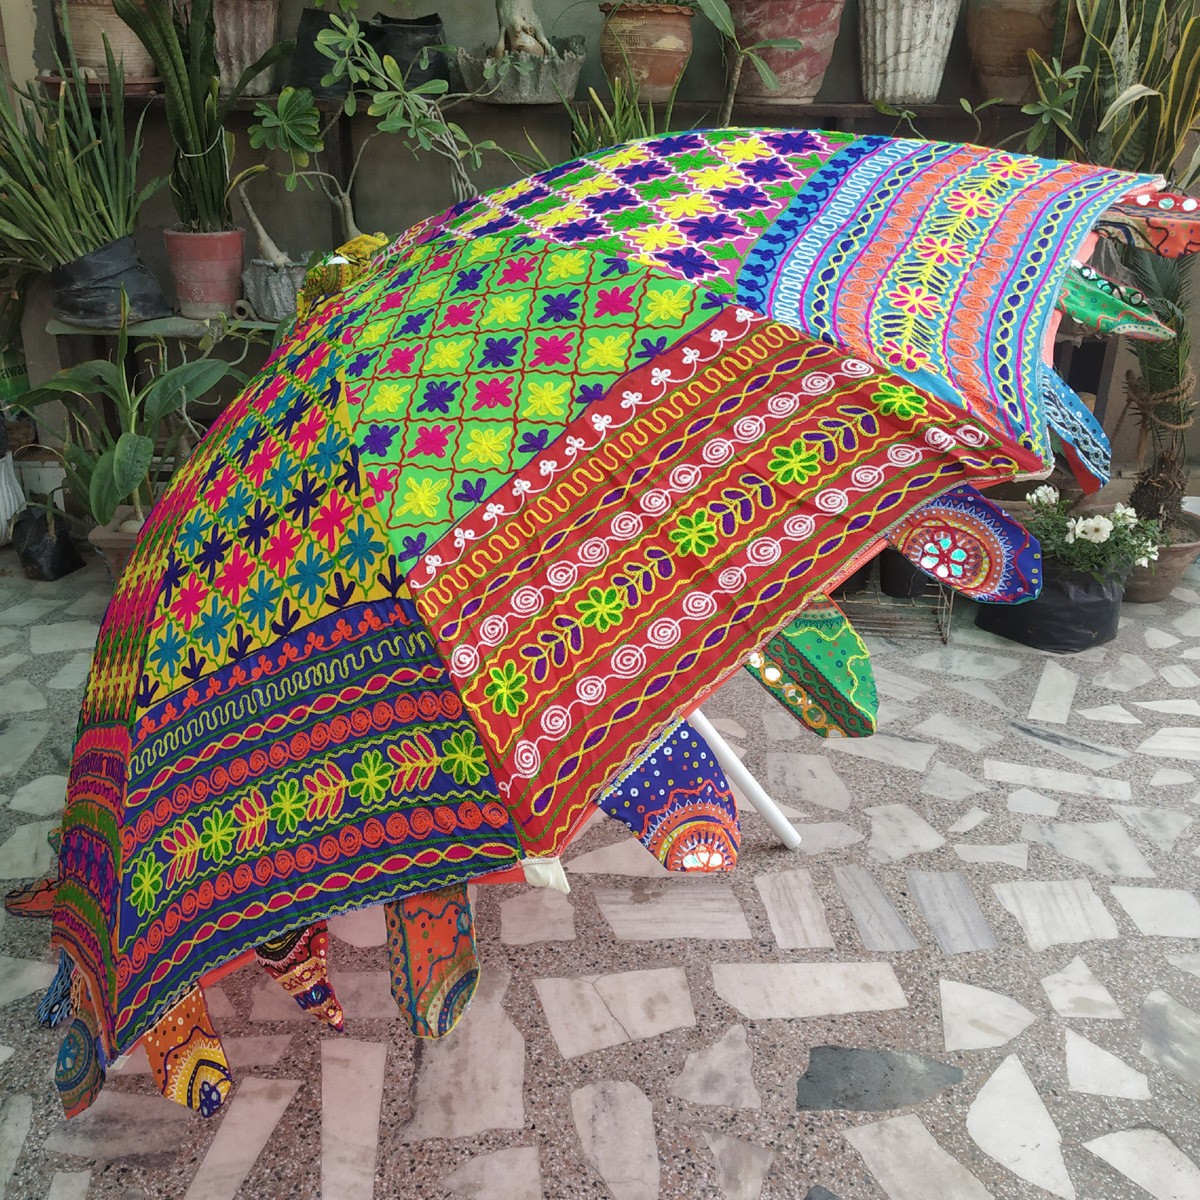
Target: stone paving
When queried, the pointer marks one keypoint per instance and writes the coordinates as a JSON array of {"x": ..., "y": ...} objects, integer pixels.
[{"x": 980, "y": 976}]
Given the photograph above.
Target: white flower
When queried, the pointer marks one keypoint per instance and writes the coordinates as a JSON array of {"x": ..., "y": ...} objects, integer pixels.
[
  {"x": 1094, "y": 529},
  {"x": 1122, "y": 514},
  {"x": 1152, "y": 554},
  {"x": 1141, "y": 562},
  {"x": 1042, "y": 495}
]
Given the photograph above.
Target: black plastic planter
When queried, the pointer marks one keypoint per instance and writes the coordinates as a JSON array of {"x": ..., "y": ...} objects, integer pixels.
[
  {"x": 404, "y": 38},
  {"x": 308, "y": 64},
  {"x": 1074, "y": 612},
  {"x": 44, "y": 554},
  {"x": 900, "y": 579},
  {"x": 88, "y": 290}
]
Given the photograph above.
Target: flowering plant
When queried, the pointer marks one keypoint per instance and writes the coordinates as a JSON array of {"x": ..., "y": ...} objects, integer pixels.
[{"x": 1102, "y": 544}]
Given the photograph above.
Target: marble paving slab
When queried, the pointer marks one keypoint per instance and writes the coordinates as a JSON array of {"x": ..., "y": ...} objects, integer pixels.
[
  {"x": 721, "y": 1074},
  {"x": 42, "y": 797},
  {"x": 1104, "y": 846},
  {"x": 1054, "y": 696},
  {"x": 1189, "y": 962},
  {"x": 511, "y": 1174},
  {"x": 352, "y": 1074},
  {"x": 21, "y": 977},
  {"x": 1113, "y": 714},
  {"x": 362, "y": 927},
  {"x": 1009, "y": 1122},
  {"x": 1179, "y": 676},
  {"x": 972, "y": 738},
  {"x": 795, "y": 910},
  {"x": 808, "y": 777},
  {"x": 69, "y": 1185},
  {"x": 1151, "y": 1160},
  {"x": 474, "y": 1080},
  {"x": 980, "y": 691},
  {"x": 880, "y": 925},
  {"x": 1088, "y": 754},
  {"x": 1055, "y": 781},
  {"x": 1177, "y": 742},
  {"x": 615, "y": 1123},
  {"x": 119, "y": 1125},
  {"x": 1011, "y": 854},
  {"x": 593, "y": 1012},
  {"x": 63, "y": 637},
  {"x": 19, "y": 696},
  {"x": 897, "y": 686},
  {"x": 1188, "y": 707},
  {"x": 971, "y": 664},
  {"x": 26, "y": 854},
  {"x": 761, "y": 991},
  {"x": 975, "y": 1018},
  {"x": 1129, "y": 674},
  {"x": 1162, "y": 826},
  {"x": 898, "y": 831},
  {"x": 1075, "y": 992},
  {"x": 1057, "y": 912},
  {"x": 657, "y": 912},
  {"x": 1025, "y": 800},
  {"x": 1171, "y": 777},
  {"x": 845, "y": 1079},
  {"x": 1160, "y": 912},
  {"x": 1098, "y": 1072},
  {"x": 742, "y": 1166},
  {"x": 72, "y": 674},
  {"x": 909, "y": 754},
  {"x": 909, "y": 1164},
  {"x": 821, "y": 836},
  {"x": 1171, "y": 1036},
  {"x": 946, "y": 902},
  {"x": 18, "y": 740},
  {"x": 363, "y": 995},
  {"x": 538, "y": 915},
  {"x": 971, "y": 819},
  {"x": 253, "y": 1113},
  {"x": 626, "y": 857},
  {"x": 949, "y": 783}
]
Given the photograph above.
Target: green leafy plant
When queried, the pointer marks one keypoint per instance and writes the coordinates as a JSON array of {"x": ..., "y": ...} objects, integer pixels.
[
  {"x": 68, "y": 171},
  {"x": 182, "y": 43},
  {"x": 1104, "y": 545},
  {"x": 125, "y": 459}
]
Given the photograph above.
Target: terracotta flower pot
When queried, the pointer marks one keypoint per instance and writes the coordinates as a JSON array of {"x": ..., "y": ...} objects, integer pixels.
[
  {"x": 800, "y": 72},
  {"x": 90, "y": 22},
  {"x": 649, "y": 44},
  {"x": 245, "y": 31},
  {"x": 1147, "y": 587},
  {"x": 207, "y": 269},
  {"x": 902, "y": 46},
  {"x": 1001, "y": 32}
]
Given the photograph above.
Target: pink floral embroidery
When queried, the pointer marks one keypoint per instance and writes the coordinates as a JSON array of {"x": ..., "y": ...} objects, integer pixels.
[
  {"x": 235, "y": 574},
  {"x": 459, "y": 314},
  {"x": 493, "y": 393},
  {"x": 519, "y": 270},
  {"x": 382, "y": 483},
  {"x": 401, "y": 361},
  {"x": 281, "y": 549},
  {"x": 215, "y": 496},
  {"x": 189, "y": 600},
  {"x": 612, "y": 302},
  {"x": 554, "y": 350},
  {"x": 431, "y": 439}
]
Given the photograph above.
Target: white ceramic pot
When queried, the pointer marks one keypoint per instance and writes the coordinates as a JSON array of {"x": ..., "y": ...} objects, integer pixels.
[{"x": 903, "y": 45}]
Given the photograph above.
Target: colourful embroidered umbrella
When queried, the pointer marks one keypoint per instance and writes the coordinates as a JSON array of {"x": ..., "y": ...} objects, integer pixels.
[{"x": 503, "y": 510}]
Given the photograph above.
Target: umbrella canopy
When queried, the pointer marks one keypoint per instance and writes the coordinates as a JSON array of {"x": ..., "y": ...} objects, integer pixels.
[{"x": 503, "y": 510}]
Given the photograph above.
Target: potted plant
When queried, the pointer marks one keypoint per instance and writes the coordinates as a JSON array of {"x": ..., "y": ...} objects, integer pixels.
[
  {"x": 523, "y": 65},
  {"x": 1132, "y": 103},
  {"x": 93, "y": 28},
  {"x": 903, "y": 46},
  {"x": 116, "y": 470},
  {"x": 799, "y": 72},
  {"x": 206, "y": 249},
  {"x": 647, "y": 45},
  {"x": 1085, "y": 559},
  {"x": 69, "y": 197},
  {"x": 245, "y": 31}
]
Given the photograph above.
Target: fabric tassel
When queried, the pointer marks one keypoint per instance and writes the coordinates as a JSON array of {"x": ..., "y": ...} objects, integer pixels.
[
  {"x": 431, "y": 950},
  {"x": 299, "y": 962},
  {"x": 79, "y": 1071},
  {"x": 55, "y": 1005},
  {"x": 187, "y": 1057}
]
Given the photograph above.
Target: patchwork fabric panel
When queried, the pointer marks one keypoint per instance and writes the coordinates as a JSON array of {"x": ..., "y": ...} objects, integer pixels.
[
  {"x": 187, "y": 1058},
  {"x": 596, "y": 601},
  {"x": 476, "y": 356},
  {"x": 819, "y": 668},
  {"x": 299, "y": 962},
  {"x": 679, "y": 805},
  {"x": 431, "y": 949},
  {"x": 691, "y": 204},
  {"x": 1081, "y": 436},
  {"x": 942, "y": 261},
  {"x": 1161, "y": 222},
  {"x": 972, "y": 545},
  {"x": 1103, "y": 306}
]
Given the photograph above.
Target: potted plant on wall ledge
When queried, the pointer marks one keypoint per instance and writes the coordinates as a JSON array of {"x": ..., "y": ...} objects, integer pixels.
[
  {"x": 1085, "y": 560},
  {"x": 69, "y": 198},
  {"x": 206, "y": 249}
]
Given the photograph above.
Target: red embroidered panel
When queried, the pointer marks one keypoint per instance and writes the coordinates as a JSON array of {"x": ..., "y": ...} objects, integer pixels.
[{"x": 679, "y": 523}]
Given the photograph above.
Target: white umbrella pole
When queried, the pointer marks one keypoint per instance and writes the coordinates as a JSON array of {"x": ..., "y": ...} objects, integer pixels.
[{"x": 732, "y": 766}]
